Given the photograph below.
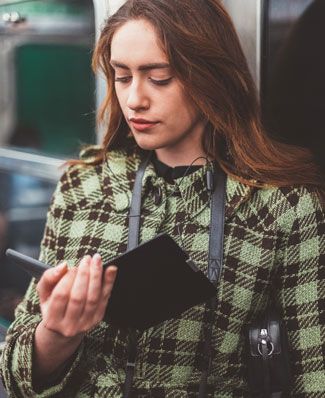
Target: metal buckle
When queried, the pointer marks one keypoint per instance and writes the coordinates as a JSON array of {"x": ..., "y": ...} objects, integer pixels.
[{"x": 264, "y": 342}]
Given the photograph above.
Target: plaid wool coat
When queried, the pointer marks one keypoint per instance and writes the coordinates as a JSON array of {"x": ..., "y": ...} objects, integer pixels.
[{"x": 274, "y": 244}]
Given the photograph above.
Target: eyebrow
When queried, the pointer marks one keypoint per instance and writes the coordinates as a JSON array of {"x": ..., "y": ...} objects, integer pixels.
[{"x": 145, "y": 67}]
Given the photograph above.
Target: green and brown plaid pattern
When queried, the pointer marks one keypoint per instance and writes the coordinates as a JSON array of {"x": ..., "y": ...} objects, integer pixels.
[{"x": 270, "y": 235}]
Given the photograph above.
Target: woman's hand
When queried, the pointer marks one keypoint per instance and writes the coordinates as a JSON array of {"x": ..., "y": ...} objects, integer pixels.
[{"x": 74, "y": 301}]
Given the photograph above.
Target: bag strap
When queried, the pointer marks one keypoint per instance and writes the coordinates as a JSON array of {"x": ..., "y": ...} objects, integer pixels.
[
  {"x": 133, "y": 242},
  {"x": 135, "y": 208},
  {"x": 214, "y": 263},
  {"x": 216, "y": 235},
  {"x": 217, "y": 221}
]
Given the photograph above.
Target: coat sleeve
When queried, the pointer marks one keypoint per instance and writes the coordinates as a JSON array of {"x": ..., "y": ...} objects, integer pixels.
[
  {"x": 16, "y": 363},
  {"x": 301, "y": 294}
]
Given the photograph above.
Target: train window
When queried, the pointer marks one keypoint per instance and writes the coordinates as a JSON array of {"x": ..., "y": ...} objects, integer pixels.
[
  {"x": 47, "y": 87},
  {"x": 55, "y": 98}
]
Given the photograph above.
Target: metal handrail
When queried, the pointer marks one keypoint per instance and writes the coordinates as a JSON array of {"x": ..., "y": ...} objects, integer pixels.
[{"x": 32, "y": 164}]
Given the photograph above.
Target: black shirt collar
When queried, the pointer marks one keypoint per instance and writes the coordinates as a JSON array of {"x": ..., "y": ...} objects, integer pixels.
[{"x": 171, "y": 173}]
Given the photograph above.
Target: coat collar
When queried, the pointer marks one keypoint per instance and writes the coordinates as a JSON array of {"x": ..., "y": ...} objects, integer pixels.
[{"x": 118, "y": 177}]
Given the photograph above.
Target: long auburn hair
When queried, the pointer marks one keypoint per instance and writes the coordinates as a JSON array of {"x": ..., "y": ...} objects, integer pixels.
[{"x": 204, "y": 52}]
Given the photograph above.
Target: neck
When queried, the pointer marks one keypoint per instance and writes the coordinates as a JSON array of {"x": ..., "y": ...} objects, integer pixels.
[
  {"x": 183, "y": 160},
  {"x": 176, "y": 156}
]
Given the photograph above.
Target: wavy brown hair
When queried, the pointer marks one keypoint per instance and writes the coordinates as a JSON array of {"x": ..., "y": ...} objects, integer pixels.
[{"x": 204, "y": 52}]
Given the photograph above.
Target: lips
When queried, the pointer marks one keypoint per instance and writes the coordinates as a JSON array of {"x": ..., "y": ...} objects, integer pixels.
[{"x": 142, "y": 124}]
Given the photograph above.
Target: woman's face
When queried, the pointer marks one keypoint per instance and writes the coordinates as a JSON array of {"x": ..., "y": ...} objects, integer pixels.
[{"x": 160, "y": 114}]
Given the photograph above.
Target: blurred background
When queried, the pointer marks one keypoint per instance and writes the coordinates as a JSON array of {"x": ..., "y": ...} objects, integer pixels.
[
  {"x": 47, "y": 111},
  {"x": 49, "y": 97}
]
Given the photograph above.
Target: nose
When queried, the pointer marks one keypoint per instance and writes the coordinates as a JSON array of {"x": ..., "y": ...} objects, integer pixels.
[{"x": 137, "y": 97}]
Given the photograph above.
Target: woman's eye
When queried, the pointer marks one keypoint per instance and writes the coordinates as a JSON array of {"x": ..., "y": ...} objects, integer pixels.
[
  {"x": 163, "y": 82},
  {"x": 157, "y": 82},
  {"x": 124, "y": 79}
]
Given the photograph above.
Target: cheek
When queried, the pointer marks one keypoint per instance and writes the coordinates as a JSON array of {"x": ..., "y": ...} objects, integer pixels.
[
  {"x": 183, "y": 104},
  {"x": 184, "y": 111},
  {"x": 174, "y": 106}
]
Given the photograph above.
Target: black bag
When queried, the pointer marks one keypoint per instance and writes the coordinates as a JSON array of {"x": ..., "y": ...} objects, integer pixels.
[{"x": 268, "y": 366}]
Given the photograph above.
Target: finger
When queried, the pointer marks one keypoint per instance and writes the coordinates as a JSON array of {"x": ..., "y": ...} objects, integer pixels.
[
  {"x": 49, "y": 280},
  {"x": 108, "y": 283},
  {"x": 94, "y": 287},
  {"x": 59, "y": 299},
  {"x": 78, "y": 294}
]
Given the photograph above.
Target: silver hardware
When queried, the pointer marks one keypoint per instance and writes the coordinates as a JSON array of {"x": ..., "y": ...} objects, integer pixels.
[
  {"x": 264, "y": 342},
  {"x": 263, "y": 336},
  {"x": 12, "y": 17},
  {"x": 263, "y": 332}
]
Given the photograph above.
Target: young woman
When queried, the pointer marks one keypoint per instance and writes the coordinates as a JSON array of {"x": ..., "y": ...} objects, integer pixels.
[{"x": 177, "y": 85}]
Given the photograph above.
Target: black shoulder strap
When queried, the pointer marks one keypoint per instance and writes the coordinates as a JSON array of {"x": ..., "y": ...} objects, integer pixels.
[
  {"x": 133, "y": 242},
  {"x": 214, "y": 265},
  {"x": 135, "y": 208},
  {"x": 214, "y": 268},
  {"x": 217, "y": 226}
]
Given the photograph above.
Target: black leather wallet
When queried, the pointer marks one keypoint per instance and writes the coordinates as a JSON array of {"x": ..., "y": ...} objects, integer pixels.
[{"x": 155, "y": 281}]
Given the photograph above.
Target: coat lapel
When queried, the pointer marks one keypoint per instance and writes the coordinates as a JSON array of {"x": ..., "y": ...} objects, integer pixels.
[{"x": 236, "y": 194}]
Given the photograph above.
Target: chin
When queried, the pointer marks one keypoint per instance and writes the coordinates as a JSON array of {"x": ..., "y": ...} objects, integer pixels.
[{"x": 148, "y": 143}]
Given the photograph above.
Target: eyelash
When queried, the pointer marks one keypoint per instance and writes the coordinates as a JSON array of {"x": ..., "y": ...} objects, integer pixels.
[{"x": 156, "y": 82}]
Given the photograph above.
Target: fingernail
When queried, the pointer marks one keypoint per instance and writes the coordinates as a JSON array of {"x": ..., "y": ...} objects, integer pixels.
[
  {"x": 87, "y": 259},
  {"x": 60, "y": 267},
  {"x": 97, "y": 257}
]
